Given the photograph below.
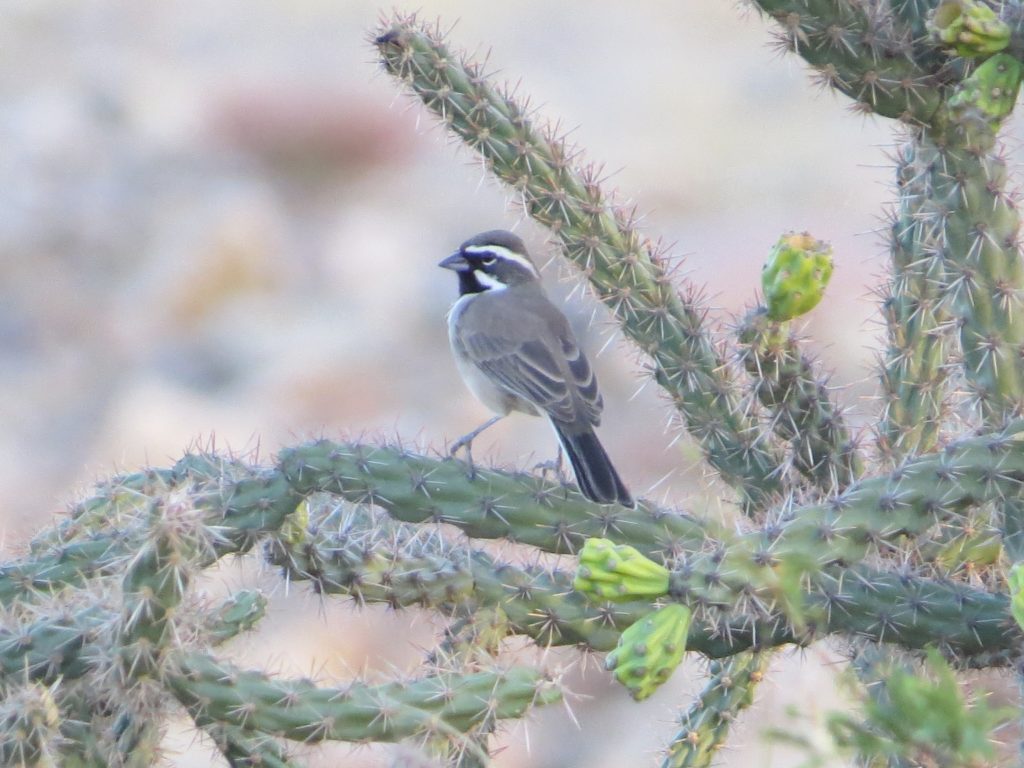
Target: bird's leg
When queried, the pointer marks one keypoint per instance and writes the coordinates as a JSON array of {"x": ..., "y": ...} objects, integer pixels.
[
  {"x": 466, "y": 441},
  {"x": 555, "y": 466}
]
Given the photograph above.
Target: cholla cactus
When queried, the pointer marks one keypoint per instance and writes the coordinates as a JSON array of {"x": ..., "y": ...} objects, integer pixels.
[{"x": 904, "y": 545}]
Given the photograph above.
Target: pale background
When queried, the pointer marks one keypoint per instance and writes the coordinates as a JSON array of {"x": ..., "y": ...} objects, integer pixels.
[{"x": 221, "y": 220}]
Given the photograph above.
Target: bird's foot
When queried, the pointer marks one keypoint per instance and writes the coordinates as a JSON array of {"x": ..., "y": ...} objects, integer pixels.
[
  {"x": 553, "y": 466},
  {"x": 464, "y": 443}
]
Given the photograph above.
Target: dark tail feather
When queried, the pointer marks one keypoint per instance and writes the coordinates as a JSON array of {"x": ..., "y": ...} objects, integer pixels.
[{"x": 595, "y": 475}]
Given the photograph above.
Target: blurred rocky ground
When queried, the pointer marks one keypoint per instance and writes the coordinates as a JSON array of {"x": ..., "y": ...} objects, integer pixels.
[{"x": 219, "y": 225}]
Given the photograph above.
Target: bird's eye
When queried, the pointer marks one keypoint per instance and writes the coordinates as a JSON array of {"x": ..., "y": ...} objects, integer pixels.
[{"x": 487, "y": 261}]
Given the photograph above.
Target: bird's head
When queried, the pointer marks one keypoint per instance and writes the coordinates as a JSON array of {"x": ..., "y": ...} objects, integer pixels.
[{"x": 491, "y": 261}]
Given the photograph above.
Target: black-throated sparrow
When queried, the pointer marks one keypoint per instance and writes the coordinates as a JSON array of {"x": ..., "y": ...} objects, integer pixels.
[{"x": 516, "y": 352}]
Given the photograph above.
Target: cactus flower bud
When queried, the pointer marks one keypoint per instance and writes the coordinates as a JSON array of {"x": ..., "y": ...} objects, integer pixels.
[
  {"x": 795, "y": 275},
  {"x": 1015, "y": 580},
  {"x": 970, "y": 27},
  {"x": 991, "y": 89},
  {"x": 650, "y": 650},
  {"x": 611, "y": 571}
]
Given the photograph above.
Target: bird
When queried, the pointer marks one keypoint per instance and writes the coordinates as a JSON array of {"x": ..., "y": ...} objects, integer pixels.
[{"x": 516, "y": 351}]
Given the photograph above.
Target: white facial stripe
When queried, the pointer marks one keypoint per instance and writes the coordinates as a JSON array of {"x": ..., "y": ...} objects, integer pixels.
[
  {"x": 492, "y": 283},
  {"x": 503, "y": 253}
]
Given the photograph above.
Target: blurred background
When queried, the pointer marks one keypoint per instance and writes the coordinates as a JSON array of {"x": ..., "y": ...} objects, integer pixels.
[{"x": 219, "y": 224}]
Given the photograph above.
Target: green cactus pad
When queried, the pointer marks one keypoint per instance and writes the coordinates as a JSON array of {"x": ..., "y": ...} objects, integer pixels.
[
  {"x": 650, "y": 649},
  {"x": 991, "y": 89},
  {"x": 971, "y": 28},
  {"x": 610, "y": 571},
  {"x": 795, "y": 275}
]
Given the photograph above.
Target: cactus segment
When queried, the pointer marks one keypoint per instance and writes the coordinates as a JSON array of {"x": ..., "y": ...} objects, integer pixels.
[
  {"x": 970, "y": 27},
  {"x": 795, "y": 275},
  {"x": 798, "y": 403},
  {"x": 921, "y": 493},
  {"x": 650, "y": 650},
  {"x": 442, "y": 705},
  {"x": 30, "y": 727},
  {"x": 859, "y": 52},
  {"x": 617, "y": 572},
  {"x": 237, "y": 613},
  {"x": 705, "y": 726},
  {"x": 154, "y": 585},
  {"x": 243, "y": 748},
  {"x": 517, "y": 506}
]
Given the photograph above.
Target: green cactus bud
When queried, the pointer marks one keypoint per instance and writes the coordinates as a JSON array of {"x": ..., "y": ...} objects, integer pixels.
[
  {"x": 970, "y": 27},
  {"x": 795, "y": 275},
  {"x": 293, "y": 529},
  {"x": 610, "y": 571},
  {"x": 650, "y": 649},
  {"x": 1015, "y": 580},
  {"x": 991, "y": 89}
]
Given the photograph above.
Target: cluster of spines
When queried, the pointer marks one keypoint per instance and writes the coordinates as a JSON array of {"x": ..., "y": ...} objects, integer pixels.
[
  {"x": 797, "y": 402},
  {"x": 703, "y": 727},
  {"x": 914, "y": 370},
  {"x": 30, "y": 727},
  {"x": 627, "y": 271},
  {"x": 866, "y": 52},
  {"x": 216, "y": 692}
]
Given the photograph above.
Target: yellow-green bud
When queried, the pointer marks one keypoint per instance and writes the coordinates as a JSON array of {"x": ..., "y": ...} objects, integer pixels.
[
  {"x": 650, "y": 650},
  {"x": 991, "y": 89},
  {"x": 293, "y": 528},
  {"x": 612, "y": 571},
  {"x": 795, "y": 275},
  {"x": 970, "y": 27},
  {"x": 1015, "y": 579}
]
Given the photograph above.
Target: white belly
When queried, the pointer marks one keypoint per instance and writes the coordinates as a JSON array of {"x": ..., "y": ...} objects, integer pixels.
[{"x": 496, "y": 398}]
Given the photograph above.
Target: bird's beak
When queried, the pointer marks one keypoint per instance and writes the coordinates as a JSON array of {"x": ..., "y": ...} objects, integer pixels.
[{"x": 456, "y": 261}]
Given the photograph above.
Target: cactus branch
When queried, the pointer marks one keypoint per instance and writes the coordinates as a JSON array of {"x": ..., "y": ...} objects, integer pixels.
[
  {"x": 442, "y": 705},
  {"x": 801, "y": 411},
  {"x": 705, "y": 726}
]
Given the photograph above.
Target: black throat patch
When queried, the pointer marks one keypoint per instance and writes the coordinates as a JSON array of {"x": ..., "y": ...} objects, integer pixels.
[{"x": 468, "y": 282}]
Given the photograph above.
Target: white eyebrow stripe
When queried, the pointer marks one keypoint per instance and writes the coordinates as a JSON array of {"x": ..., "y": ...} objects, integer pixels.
[{"x": 502, "y": 252}]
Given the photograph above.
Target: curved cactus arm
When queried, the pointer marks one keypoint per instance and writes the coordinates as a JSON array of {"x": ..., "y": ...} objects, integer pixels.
[
  {"x": 519, "y": 507},
  {"x": 243, "y": 748},
  {"x": 443, "y": 705},
  {"x": 865, "y": 52},
  {"x": 765, "y": 567},
  {"x": 101, "y": 730},
  {"x": 705, "y": 726},
  {"x": 628, "y": 272},
  {"x": 356, "y": 552},
  {"x": 908, "y": 501},
  {"x": 154, "y": 586},
  {"x": 798, "y": 402},
  {"x": 50, "y": 648},
  {"x": 238, "y": 504},
  {"x": 237, "y": 613}
]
